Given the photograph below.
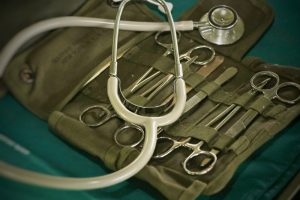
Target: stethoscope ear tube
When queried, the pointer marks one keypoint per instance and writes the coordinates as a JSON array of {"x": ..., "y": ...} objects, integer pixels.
[{"x": 149, "y": 123}]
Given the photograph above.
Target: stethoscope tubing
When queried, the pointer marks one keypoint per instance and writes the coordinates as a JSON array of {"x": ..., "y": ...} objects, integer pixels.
[
  {"x": 151, "y": 124},
  {"x": 63, "y": 22}
]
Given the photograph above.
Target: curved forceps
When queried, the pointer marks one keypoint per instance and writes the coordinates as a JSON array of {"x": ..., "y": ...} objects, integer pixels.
[
  {"x": 187, "y": 55},
  {"x": 189, "y": 60},
  {"x": 196, "y": 151},
  {"x": 272, "y": 93},
  {"x": 150, "y": 123}
]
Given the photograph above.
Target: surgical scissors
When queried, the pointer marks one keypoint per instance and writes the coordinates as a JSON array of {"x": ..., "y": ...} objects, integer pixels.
[
  {"x": 156, "y": 88},
  {"x": 106, "y": 112},
  {"x": 151, "y": 92},
  {"x": 185, "y": 142},
  {"x": 269, "y": 93},
  {"x": 204, "y": 71},
  {"x": 231, "y": 110}
]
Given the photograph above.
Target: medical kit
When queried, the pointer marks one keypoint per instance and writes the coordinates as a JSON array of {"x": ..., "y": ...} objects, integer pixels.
[{"x": 173, "y": 103}]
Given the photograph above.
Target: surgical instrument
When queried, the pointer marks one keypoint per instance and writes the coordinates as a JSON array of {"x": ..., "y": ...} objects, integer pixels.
[
  {"x": 196, "y": 151},
  {"x": 151, "y": 92},
  {"x": 204, "y": 71},
  {"x": 269, "y": 93},
  {"x": 158, "y": 86},
  {"x": 233, "y": 108},
  {"x": 230, "y": 112},
  {"x": 199, "y": 96},
  {"x": 196, "y": 148},
  {"x": 150, "y": 123},
  {"x": 61, "y": 22},
  {"x": 107, "y": 112},
  {"x": 167, "y": 46}
]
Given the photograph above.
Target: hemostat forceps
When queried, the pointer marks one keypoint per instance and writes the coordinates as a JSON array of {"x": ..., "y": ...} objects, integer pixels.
[
  {"x": 158, "y": 86},
  {"x": 151, "y": 92},
  {"x": 231, "y": 110},
  {"x": 185, "y": 142},
  {"x": 204, "y": 72},
  {"x": 196, "y": 151},
  {"x": 268, "y": 93},
  {"x": 106, "y": 112}
]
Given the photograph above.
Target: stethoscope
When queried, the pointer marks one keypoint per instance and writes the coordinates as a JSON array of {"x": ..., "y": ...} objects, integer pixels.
[
  {"x": 150, "y": 123},
  {"x": 221, "y": 26}
]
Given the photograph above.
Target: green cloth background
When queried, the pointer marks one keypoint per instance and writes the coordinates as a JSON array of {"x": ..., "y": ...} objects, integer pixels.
[{"x": 262, "y": 176}]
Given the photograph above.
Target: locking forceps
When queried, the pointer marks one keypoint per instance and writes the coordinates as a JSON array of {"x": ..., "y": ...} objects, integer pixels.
[
  {"x": 196, "y": 151},
  {"x": 268, "y": 93},
  {"x": 185, "y": 142},
  {"x": 106, "y": 112},
  {"x": 155, "y": 89},
  {"x": 204, "y": 71}
]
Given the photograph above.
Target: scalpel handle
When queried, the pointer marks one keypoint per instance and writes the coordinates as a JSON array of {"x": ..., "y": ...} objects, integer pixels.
[{"x": 197, "y": 98}]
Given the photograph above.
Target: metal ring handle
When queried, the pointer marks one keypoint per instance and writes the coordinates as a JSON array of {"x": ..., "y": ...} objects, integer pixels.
[
  {"x": 169, "y": 150},
  {"x": 166, "y": 45},
  {"x": 128, "y": 126},
  {"x": 187, "y": 55},
  {"x": 264, "y": 73},
  {"x": 108, "y": 115},
  {"x": 288, "y": 84},
  {"x": 205, "y": 170}
]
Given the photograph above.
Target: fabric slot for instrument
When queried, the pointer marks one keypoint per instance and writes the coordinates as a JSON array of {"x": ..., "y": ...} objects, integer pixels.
[
  {"x": 200, "y": 75},
  {"x": 211, "y": 87},
  {"x": 85, "y": 138},
  {"x": 239, "y": 126},
  {"x": 243, "y": 123},
  {"x": 142, "y": 57},
  {"x": 207, "y": 132},
  {"x": 203, "y": 71},
  {"x": 261, "y": 104},
  {"x": 191, "y": 105},
  {"x": 227, "y": 114},
  {"x": 203, "y": 133},
  {"x": 250, "y": 136},
  {"x": 193, "y": 79},
  {"x": 274, "y": 111},
  {"x": 268, "y": 127},
  {"x": 195, "y": 127}
]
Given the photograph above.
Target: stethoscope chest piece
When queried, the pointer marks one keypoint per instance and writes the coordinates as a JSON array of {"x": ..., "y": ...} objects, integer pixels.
[{"x": 223, "y": 25}]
